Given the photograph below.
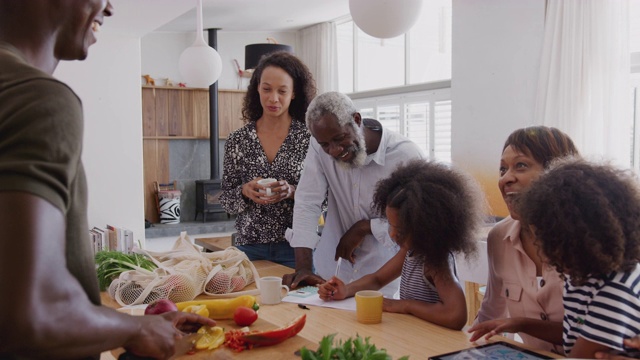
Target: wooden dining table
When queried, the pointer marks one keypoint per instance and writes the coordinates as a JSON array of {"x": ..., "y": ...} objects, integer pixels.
[{"x": 399, "y": 334}]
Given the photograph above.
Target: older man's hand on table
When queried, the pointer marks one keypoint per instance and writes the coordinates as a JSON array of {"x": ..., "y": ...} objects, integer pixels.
[{"x": 301, "y": 278}]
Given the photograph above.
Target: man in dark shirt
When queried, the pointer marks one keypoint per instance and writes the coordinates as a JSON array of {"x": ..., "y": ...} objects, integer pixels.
[{"x": 49, "y": 297}]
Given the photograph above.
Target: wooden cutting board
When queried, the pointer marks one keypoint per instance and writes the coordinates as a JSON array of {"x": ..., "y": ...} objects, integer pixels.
[{"x": 284, "y": 350}]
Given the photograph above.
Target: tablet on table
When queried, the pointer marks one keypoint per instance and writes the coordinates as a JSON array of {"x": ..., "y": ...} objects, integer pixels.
[{"x": 495, "y": 351}]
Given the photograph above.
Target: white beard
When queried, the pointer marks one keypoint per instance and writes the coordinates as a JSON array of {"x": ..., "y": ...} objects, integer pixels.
[{"x": 360, "y": 153}]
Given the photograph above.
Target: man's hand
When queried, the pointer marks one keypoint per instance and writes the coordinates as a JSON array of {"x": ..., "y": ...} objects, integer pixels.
[
  {"x": 352, "y": 239},
  {"x": 304, "y": 264},
  {"x": 158, "y": 334},
  {"x": 304, "y": 275}
]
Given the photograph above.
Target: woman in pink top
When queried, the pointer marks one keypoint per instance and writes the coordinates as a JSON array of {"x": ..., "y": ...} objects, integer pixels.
[{"x": 521, "y": 288}]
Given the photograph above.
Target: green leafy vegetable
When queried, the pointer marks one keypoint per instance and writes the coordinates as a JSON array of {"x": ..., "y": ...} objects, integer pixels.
[
  {"x": 351, "y": 349},
  {"x": 111, "y": 263}
]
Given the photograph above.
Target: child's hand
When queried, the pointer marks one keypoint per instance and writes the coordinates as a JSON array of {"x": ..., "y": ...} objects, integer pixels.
[
  {"x": 393, "y": 306},
  {"x": 492, "y": 327},
  {"x": 632, "y": 342},
  {"x": 334, "y": 289}
]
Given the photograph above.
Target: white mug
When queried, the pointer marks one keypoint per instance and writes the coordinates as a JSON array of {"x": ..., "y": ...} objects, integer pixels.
[
  {"x": 266, "y": 182},
  {"x": 271, "y": 290}
]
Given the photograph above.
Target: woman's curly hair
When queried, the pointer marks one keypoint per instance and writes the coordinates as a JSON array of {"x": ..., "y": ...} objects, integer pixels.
[
  {"x": 586, "y": 218},
  {"x": 304, "y": 87},
  {"x": 439, "y": 209}
]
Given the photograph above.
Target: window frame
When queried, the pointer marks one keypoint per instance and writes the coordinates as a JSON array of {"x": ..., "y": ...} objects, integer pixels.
[{"x": 430, "y": 93}]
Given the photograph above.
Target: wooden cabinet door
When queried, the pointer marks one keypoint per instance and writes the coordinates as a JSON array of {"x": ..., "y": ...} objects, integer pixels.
[
  {"x": 200, "y": 109},
  {"x": 229, "y": 111}
]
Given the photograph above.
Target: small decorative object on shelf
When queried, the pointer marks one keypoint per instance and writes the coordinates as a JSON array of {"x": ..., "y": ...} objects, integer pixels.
[
  {"x": 149, "y": 80},
  {"x": 182, "y": 84},
  {"x": 242, "y": 73},
  {"x": 168, "y": 82}
]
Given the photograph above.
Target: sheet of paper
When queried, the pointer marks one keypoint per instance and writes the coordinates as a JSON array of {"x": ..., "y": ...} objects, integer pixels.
[{"x": 314, "y": 300}]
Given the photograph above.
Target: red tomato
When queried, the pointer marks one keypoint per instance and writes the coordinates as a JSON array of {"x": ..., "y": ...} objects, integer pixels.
[{"x": 244, "y": 316}]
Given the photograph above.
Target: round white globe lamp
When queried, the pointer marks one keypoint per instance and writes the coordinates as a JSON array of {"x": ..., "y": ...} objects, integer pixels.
[
  {"x": 200, "y": 65},
  {"x": 385, "y": 19}
]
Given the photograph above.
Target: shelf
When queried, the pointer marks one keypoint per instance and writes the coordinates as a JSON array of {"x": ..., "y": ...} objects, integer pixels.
[
  {"x": 173, "y": 88},
  {"x": 174, "y": 138}
]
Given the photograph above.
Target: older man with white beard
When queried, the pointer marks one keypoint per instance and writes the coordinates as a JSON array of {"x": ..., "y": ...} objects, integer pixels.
[{"x": 347, "y": 156}]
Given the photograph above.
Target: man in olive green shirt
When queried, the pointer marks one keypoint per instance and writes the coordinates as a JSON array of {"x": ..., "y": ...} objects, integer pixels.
[{"x": 49, "y": 297}]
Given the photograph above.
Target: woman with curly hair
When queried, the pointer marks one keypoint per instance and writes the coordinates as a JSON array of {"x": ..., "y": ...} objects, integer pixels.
[
  {"x": 586, "y": 220},
  {"x": 520, "y": 287},
  {"x": 433, "y": 212},
  {"x": 272, "y": 144}
]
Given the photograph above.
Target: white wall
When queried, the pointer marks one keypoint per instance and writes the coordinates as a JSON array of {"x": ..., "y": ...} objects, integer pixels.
[
  {"x": 161, "y": 51},
  {"x": 495, "y": 61},
  {"x": 496, "y": 55},
  {"x": 109, "y": 87}
]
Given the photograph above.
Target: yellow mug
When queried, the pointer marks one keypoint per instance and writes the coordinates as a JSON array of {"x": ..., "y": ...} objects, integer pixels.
[{"x": 369, "y": 306}]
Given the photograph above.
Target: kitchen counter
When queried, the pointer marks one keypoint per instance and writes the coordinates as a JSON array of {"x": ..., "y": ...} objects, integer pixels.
[{"x": 399, "y": 334}]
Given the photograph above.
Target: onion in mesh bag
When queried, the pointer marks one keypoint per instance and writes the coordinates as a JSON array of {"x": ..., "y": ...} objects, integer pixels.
[
  {"x": 238, "y": 283},
  {"x": 220, "y": 283},
  {"x": 128, "y": 291},
  {"x": 178, "y": 288}
]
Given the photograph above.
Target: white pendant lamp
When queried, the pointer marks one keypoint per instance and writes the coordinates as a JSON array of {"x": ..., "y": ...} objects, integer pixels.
[
  {"x": 385, "y": 19},
  {"x": 200, "y": 65}
]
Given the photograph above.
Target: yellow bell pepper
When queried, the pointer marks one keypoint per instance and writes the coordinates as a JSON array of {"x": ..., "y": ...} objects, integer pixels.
[
  {"x": 211, "y": 338},
  {"x": 197, "y": 309},
  {"x": 222, "y": 308}
]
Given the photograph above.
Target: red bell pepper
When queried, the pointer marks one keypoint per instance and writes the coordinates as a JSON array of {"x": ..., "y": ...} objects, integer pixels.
[
  {"x": 276, "y": 336},
  {"x": 251, "y": 339}
]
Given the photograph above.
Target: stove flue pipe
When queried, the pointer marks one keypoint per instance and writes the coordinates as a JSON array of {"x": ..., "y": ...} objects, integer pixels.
[{"x": 214, "y": 141}]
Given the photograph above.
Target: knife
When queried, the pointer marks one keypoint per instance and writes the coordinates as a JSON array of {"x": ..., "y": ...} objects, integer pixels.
[{"x": 183, "y": 346}]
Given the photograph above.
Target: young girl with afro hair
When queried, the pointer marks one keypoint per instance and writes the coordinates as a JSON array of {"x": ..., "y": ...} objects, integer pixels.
[
  {"x": 433, "y": 212},
  {"x": 586, "y": 221}
]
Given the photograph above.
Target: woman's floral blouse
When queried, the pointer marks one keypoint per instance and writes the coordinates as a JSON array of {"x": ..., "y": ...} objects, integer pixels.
[{"x": 245, "y": 160}]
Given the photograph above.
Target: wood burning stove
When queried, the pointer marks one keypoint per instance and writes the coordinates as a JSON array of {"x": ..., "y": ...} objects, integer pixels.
[{"x": 208, "y": 197}]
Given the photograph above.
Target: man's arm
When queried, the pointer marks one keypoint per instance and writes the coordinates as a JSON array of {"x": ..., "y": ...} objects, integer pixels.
[
  {"x": 352, "y": 239},
  {"x": 44, "y": 312},
  {"x": 303, "y": 237},
  {"x": 304, "y": 270}
]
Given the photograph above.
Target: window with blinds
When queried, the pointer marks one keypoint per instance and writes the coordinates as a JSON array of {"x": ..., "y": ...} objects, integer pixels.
[{"x": 424, "y": 117}]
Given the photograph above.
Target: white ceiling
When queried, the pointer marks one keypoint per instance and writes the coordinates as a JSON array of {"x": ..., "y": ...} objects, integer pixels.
[
  {"x": 142, "y": 16},
  {"x": 259, "y": 15}
]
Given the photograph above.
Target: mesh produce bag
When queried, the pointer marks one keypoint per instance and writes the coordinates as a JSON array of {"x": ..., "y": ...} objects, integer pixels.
[
  {"x": 232, "y": 271},
  {"x": 183, "y": 273},
  {"x": 133, "y": 288}
]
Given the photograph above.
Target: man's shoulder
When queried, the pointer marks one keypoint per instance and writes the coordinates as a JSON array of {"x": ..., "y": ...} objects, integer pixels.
[
  {"x": 400, "y": 143},
  {"x": 46, "y": 93},
  {"x": 19, "y": 77}
]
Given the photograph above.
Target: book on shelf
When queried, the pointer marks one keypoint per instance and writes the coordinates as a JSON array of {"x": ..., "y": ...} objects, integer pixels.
[
  {"x": 103, "y": 237},
  {"x": 112, "y": 238},
  {"x": 128, "y": 241},
  {"x": 95, "y": 240}
]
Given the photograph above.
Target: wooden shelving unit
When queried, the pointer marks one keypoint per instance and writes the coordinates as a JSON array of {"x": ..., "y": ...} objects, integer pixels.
[{"x": 177, "y": 113}]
